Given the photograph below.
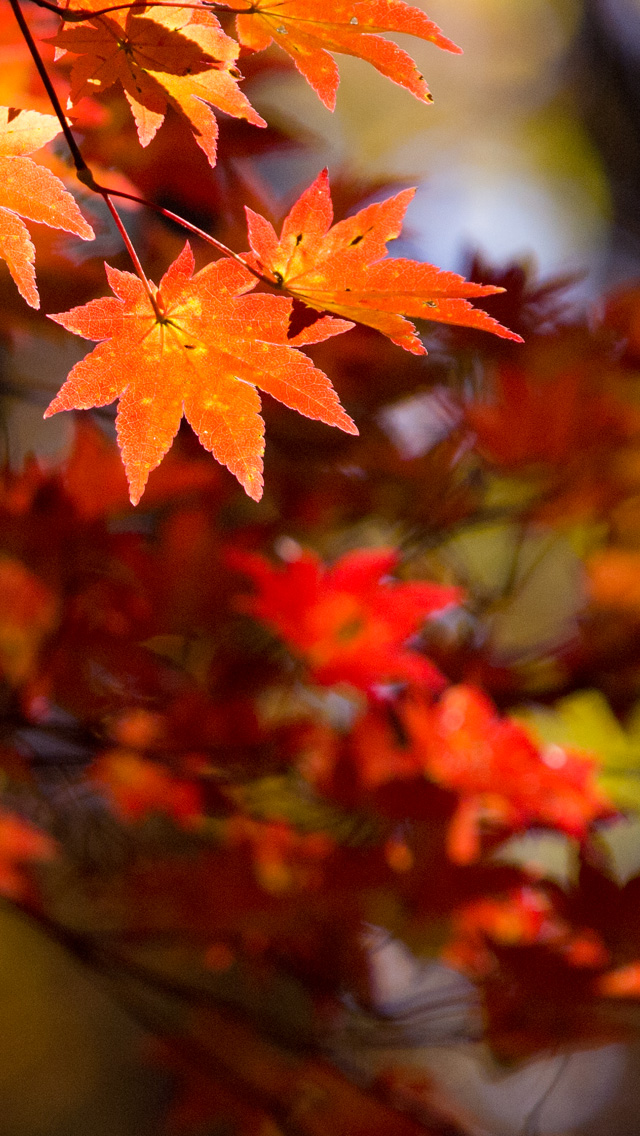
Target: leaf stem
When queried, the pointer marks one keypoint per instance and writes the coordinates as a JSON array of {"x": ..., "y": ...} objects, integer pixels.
[
  {"x": 133, "y": 254},
  {"x": 175, "y": 217}
]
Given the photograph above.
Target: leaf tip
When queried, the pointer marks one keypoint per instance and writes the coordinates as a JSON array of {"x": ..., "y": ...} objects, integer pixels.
[
  {"x": 137, "y": 479},
  {"x": 86, "y": 233},
  {"x": 55, "y": 406},
  {"x": 328, "y": 98},
  {"x": 254, "y": 487},
  {"x": 348, "y": 425}
]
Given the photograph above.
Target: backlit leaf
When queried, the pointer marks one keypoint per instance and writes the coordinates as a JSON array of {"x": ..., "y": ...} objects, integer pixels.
[
  {"x": 205, "y": 358},
  {"x": 345, "y": 268},
  {"x": 176, "y": 56},
  {"x": 31, "y": 191},
  {"x": 585, "y": 720},
  {"x": 309, "y": 30}
]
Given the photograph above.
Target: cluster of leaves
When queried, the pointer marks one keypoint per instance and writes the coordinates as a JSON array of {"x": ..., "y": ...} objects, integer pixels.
[
  {"x": 402, "y": 690},
  {"x": 196, "y": 338}
]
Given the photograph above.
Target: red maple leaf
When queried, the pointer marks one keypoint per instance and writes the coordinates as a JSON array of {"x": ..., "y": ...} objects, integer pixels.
[
  {"x": 94, "y": 480},
  {"x": 522, "y": 917},
  {"x": 20, "y": 843},
  {"x": 501, "y": 775},
  {"x": 205, "y": 357},
  {"x": 350, "y": 623},
  {"x": 344, "y": 268},
  {"x": 308, "y": 30},
  {"x": 555, "y": 407},
  {"x": 31, "y": 191},
  {"x": 138, "y": 787}
]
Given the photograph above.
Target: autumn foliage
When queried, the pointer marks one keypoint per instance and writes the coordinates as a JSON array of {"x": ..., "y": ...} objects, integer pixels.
[{"x": 375, "y": 675}]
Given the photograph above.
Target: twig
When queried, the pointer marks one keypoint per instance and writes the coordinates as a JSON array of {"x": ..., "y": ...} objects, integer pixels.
[{"x": 78, "y": 15}]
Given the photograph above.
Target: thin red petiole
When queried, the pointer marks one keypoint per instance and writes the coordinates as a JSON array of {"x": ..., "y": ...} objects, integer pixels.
[
  {"x": 133, "y": 254},
  {"x": 185, "y": 225}
]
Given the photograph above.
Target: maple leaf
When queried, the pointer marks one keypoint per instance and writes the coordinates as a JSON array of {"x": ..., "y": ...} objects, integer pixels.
[
  {"x": 349, "y": 622},
  {"x": 377, "y": 758},
  {"x": 19, "y": 490},
  {"x": 169, "y": 55},
  {"x": 29, "y": 612},
  {"x": 308, "y": 30},
  {"x": 523, "y": 916},
  {"x": 20, "y": 843},
  {"x": 31, "y": 191},
  {"x": 500, "y": 773},
  {"x": 555, "y": 406},
  {"x": 137, "y": 787},
  {"x": 205, "y": 357},
  {"x": 345, "y": 268},
  {"x": 584, "y": 720}
]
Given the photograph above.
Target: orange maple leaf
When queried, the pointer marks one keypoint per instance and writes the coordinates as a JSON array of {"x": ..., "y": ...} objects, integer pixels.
[
  {"x": 31, "y": 191},
  {"x": 349, "y": 622},
  {"x": 308, "y": 30},
  {"x": 344, "y": 268},
  {"x": 524, "y": 916},
  {"x": 169, "y": 55},
  {"x": 205, "y": 357}
]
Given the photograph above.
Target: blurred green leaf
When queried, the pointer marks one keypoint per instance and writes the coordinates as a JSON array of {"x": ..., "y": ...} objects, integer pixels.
[
  {"x": 586, "y": 721},
  {"x": 544, "y": 855}
]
